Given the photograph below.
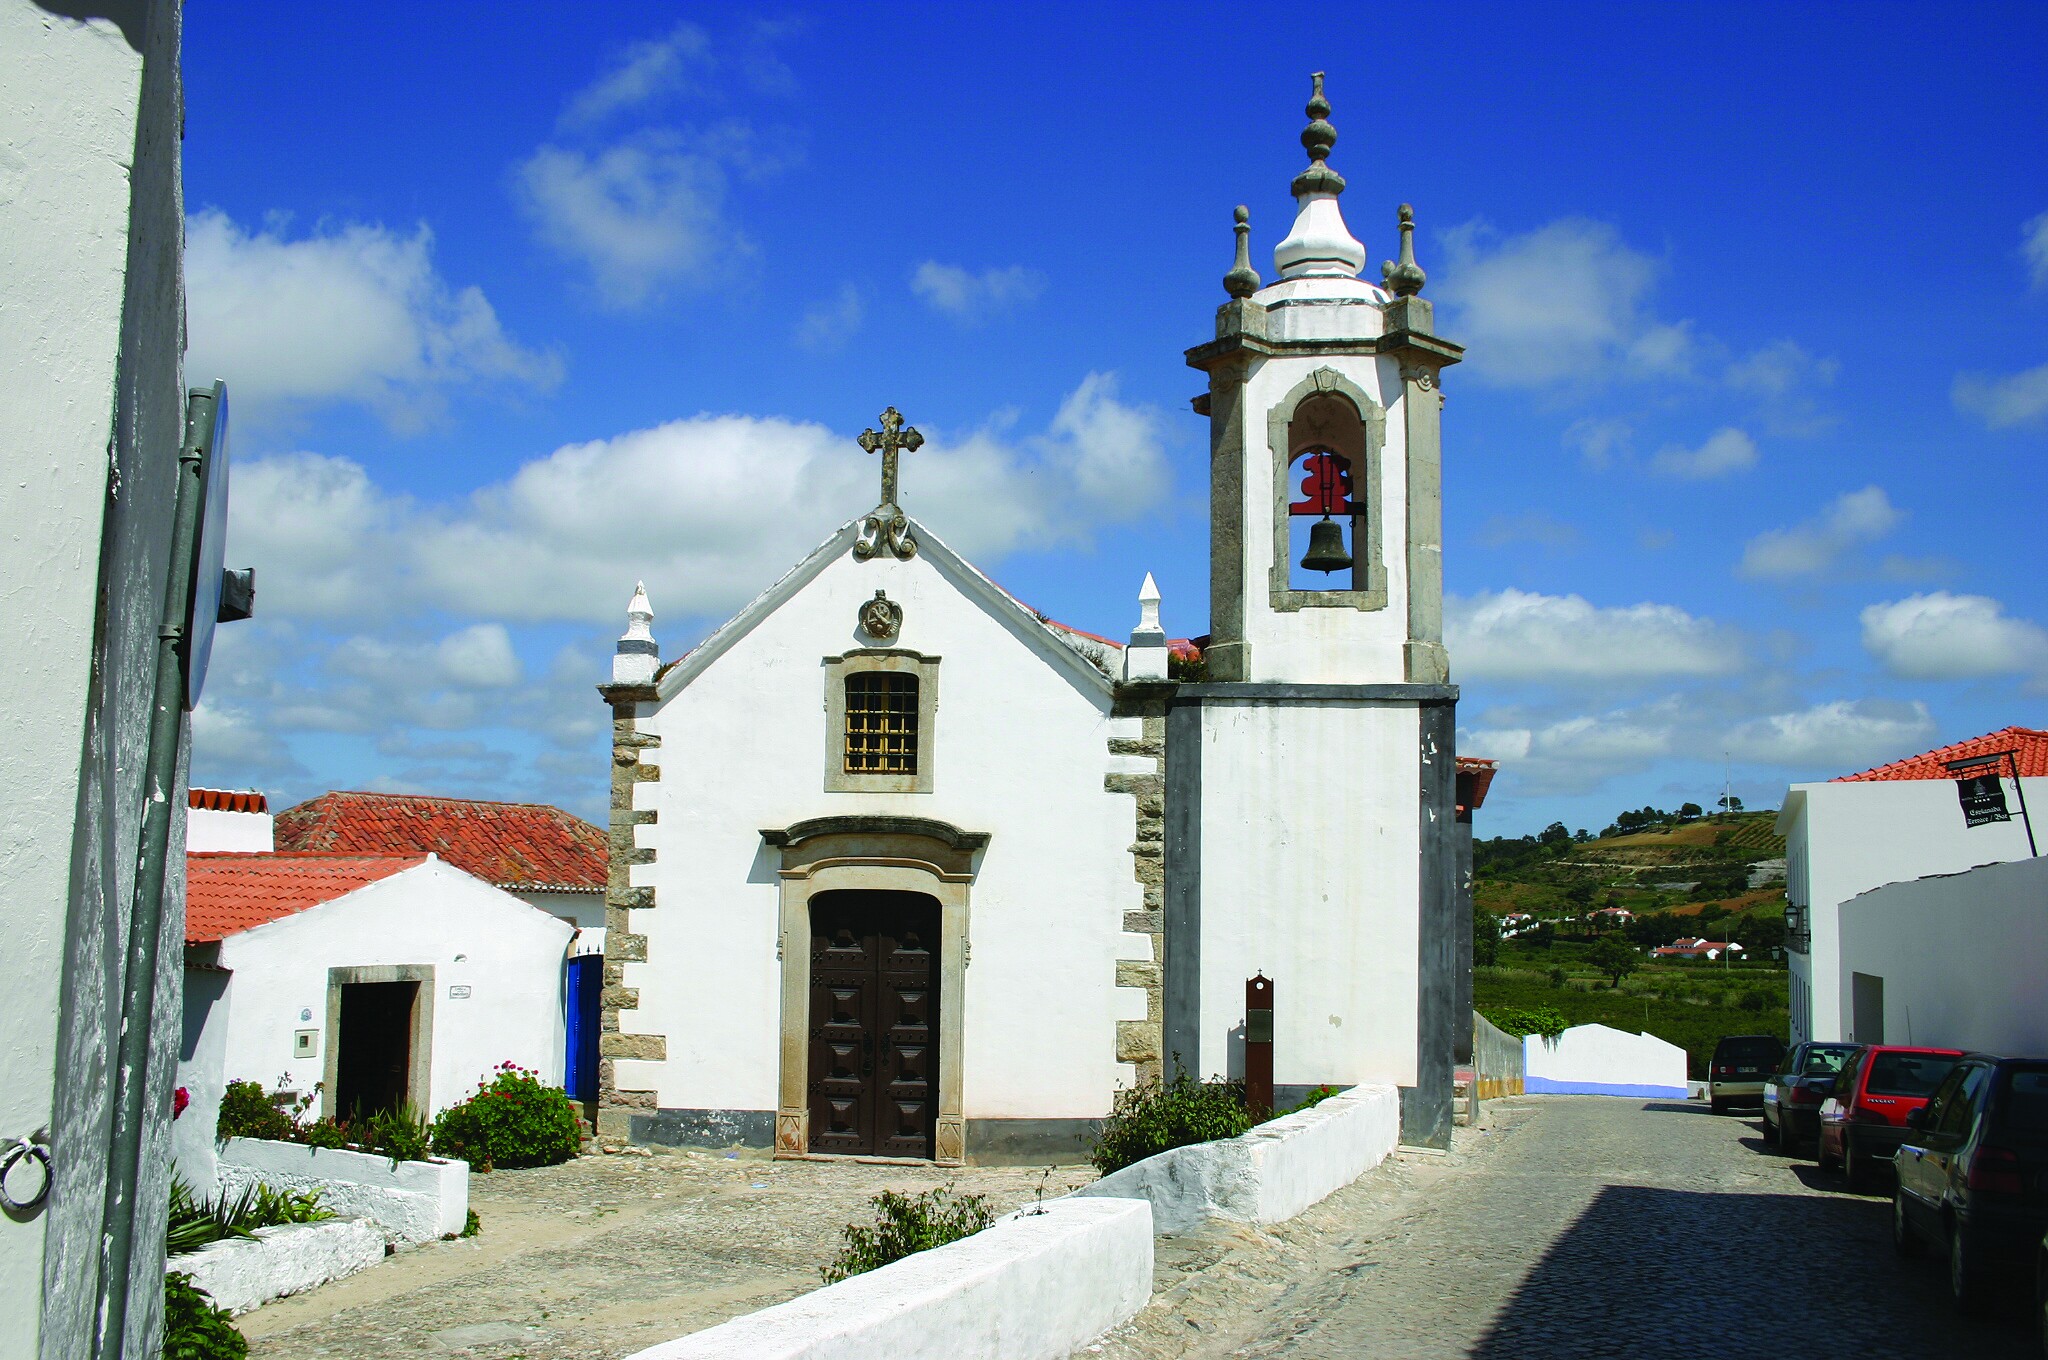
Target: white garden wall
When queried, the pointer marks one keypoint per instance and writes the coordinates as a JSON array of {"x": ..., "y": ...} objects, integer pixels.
[
  {"x": 411, "y": 1202},
  {"x": 1594, "y": 1060},
  {"x": 1962, "y": 957},
  {"x": 1036, "y": 1285},
  {"x": 244, "y": 1272},
  {"x": 1270, "y": 1174}
]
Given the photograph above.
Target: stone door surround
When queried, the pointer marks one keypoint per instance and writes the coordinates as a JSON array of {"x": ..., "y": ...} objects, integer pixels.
[{"x": 874, "y": 853}]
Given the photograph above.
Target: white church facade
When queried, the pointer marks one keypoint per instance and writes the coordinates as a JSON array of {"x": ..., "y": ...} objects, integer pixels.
[{"x": 902, "y": 869}]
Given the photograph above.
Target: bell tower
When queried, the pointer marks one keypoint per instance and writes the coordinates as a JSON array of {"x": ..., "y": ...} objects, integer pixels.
[
  {"x": 1326, "y": 548},
  {"x": 1311, "y": 779}
]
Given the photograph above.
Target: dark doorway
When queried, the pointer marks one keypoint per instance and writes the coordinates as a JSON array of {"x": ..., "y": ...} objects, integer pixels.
[
  {"x": 373, "y": 1062},
  {"x": 874, "y": 1074}
]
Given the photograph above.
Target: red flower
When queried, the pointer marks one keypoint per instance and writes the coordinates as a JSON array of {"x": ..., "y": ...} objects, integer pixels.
[{"x": 179, "y": 1100}]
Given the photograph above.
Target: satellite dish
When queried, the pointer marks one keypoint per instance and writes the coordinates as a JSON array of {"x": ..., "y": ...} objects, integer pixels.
[{"x": 206, "y": 427}]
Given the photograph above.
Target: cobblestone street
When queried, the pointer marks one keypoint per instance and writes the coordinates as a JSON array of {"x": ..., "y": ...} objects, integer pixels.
[{"x": 1575, "y": 1227}]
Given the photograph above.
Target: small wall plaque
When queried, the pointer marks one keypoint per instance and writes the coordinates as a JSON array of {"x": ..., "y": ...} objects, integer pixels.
[
  {"x": 881, "y": 618},
  {"x": 306, "y": 1043},
  {"x": 459, "y": 992}
]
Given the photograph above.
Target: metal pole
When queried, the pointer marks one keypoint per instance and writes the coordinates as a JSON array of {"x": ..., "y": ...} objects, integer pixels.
[
  {"x": 2021, "y": 790},
  {"x": 130, "y": 1076}
]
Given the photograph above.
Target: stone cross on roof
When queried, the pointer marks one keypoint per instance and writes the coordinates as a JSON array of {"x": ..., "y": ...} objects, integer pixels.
[{"x": 887, "y": 527}]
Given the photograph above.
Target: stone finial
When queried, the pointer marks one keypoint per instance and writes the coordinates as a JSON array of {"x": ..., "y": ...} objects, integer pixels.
[
  {"x": 1405, "y": 278},
  {"x": 638, "y": 655},
  {"x": 1320, "y": 245},
  {"x": 1146, "y": 656},
  {"x": 1242, "y": 280}
]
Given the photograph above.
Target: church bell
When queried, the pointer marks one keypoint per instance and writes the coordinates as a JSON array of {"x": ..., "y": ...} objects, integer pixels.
[{"x": 1325, "y": 547}]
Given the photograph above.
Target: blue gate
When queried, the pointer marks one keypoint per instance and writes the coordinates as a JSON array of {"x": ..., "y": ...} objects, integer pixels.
[{"x": 586, "y": 981}]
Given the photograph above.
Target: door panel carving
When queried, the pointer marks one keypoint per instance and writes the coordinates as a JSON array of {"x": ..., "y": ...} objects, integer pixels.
[{"x": 874, "y": 1023}]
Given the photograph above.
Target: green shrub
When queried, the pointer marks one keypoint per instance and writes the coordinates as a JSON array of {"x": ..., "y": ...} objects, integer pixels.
[
  {"x": 194, "y": 1329},
  {"x": 1154, "y": 1116},
  {"x": 513, "y": 1120},
  {"x": 1522, "y": 1021},
  {"x": 402, "y": 1134},
  {"x": 195, "y": 1222},
  {"x": 247, "y": 1112},
  {"x": 1313, "y": 1099},
  {"x": 322, "y": 1133},
  {"x": 905, "y": 1225}
]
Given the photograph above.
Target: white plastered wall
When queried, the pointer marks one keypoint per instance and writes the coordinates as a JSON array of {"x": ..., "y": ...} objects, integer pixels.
[
  {"x": 1847, "y": 838},
  {"x": 244, "y": 832},
  {"x": 1327, "y": 645},
  {"x": 1310, "y": 866},
  {"x": 511, "y": 962},
  {"x": 1962, "y": 956},
  {"x": 1021, "y": 754},
  {"x": 581, "y": 909}
]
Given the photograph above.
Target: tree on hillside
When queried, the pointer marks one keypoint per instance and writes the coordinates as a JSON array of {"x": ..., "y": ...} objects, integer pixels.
[
  {"x": 1691, "y": 812},
  {"x": 1614, "y": 958},
  {"x": 1485, "y": 937},
  {"x": 1579, "y": 895},
  {"x": 1555, "y": 834},
  {"x": 1728, "y": 802}
]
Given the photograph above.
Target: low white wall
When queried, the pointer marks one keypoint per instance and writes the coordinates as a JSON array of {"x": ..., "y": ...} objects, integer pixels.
[
  {"x": 1962, "y": 958},
  {"x": 1270, "y": 1174},
  {"x": 412, "y": 1202},
  {"x": 1593, "y": 1060},
  {"x": 1032, "y": 1286},
  {"x": 240, "y": 1273}
]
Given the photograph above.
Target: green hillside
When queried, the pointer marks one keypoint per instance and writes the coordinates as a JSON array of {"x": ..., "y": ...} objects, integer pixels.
[{"x": 1679, "y": 874}]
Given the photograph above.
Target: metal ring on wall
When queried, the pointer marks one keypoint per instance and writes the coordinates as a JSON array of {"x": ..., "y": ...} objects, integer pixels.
[{"x": 22, "y": 1148}]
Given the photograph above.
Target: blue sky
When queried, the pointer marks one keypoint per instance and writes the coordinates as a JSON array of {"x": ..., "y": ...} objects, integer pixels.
[{"x": 1747, "y": 456}]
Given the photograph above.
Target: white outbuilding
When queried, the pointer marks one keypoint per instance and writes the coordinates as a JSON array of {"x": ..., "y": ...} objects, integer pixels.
[
  {"x": 900, "y": 867},
  {"x": 380, "y": 980}
]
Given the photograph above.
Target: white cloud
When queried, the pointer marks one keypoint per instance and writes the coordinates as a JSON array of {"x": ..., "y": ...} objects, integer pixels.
[
  {"x": 645, "y": 71},
  {"x": 2015, "y": 399},
  {"x": 974, "y": 297},
  {"x": 1815, "y": 547},
  {"x": 1940, "y": 636},
  {"x": 1573, "y": 754},
  {"x": 1516, "y": 635},
  {"x": 1566, "y": 302},
  {"x": 1726, "y": 451},
  {"x": 833, "y": 321},
  {"x": 477, "y": 657},
  {"x": 642, "y": 215},
  {"x": 2034, "y": 245},
  {"x": 1597, "y": 440},
  {"x": 1778, "y": 370},
  {"x": 352, "y": 314},
  {"x": 1842, "y": 735},
  {"x": 707, "y": 510}
]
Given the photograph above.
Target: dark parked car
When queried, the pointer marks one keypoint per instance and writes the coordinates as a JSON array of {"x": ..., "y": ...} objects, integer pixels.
[
  {"x": 1864, "y": 1119},
  {"x": 1973, "y": 1171},
  {"x": 1740, "y": 1064},
  {"x": 1793, "y": 1094}
]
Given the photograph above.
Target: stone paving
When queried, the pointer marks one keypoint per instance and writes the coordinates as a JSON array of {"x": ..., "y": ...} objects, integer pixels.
[
  {"x": 1564, "y": 1227},
  {"x": 1572, "y": 1227},
  {"x": 607, "y": 1255}
]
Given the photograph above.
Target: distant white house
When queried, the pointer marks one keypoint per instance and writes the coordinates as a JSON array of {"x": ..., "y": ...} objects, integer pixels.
[
  {"x": 1892, "y": 824},
  {"x": 1694, "y": 948},
  {"x": 378, "y": 979}
]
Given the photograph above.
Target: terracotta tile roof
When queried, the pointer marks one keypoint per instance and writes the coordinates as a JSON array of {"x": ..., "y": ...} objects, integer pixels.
[
  {"x": 1475, "y": 777},
  {"x": 227, "y": 893},
  {"x": 2030, "y": 742},
  {"x": 226, "y": 800},
  {"x": 528, "y": 846}
]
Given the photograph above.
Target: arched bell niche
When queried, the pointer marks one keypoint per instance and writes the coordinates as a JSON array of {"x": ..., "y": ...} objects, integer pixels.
[{"x": 1326, "y": 437}]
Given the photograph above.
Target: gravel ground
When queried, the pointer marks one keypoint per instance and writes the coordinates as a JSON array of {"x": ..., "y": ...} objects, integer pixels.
[
  {"x": 1571, "y": 1227},
  {"x": 606, "y": 1255}
]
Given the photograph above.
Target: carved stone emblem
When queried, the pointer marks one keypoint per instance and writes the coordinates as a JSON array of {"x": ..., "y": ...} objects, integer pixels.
[{"x": 881, "y": 618}]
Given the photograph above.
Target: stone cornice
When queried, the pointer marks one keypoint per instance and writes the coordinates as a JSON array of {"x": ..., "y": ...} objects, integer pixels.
[
  {"x": 864, "y": 824},
  {"x": 1417, "y": 346}
]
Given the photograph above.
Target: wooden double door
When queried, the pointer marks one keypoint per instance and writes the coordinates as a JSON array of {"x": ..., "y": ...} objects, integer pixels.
[{"x": 874, "y": 1035}]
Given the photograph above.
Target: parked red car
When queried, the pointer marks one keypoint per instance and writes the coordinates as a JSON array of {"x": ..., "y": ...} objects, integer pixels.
[{"x": 1863, "y": 1122}]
